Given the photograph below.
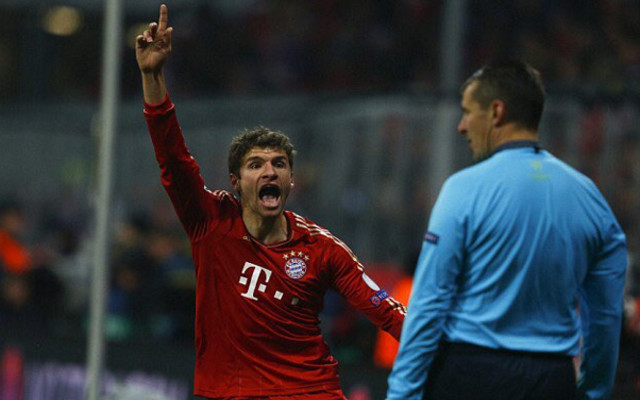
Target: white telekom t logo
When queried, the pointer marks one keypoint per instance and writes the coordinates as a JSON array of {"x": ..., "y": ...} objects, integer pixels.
[{"x": 255, "y": 276}]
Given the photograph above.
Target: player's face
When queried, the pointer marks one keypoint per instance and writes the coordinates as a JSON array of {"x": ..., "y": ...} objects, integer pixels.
[
  {"x": 475, "y": 124},
  {"x": 264, "y": 183}
]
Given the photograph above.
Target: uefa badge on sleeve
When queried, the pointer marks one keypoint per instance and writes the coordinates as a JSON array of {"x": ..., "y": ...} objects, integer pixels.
[
  {"x": 378, "y": 297},
  {"x": 431, "y": 237}
]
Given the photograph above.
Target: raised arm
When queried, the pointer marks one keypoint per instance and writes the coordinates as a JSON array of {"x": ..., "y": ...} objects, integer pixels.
[
  {"x": 152, "y": 50},
  {"x": 180, "y": 173}
]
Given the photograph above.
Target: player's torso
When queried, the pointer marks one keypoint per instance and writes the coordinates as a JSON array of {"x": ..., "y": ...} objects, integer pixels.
[
  {"x": 257, "y": 325},
  {"x": 282, "y": 281}
]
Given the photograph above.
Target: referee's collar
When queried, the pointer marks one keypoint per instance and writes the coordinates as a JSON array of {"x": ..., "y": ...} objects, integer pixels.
[{"x": 516, "y": 144}]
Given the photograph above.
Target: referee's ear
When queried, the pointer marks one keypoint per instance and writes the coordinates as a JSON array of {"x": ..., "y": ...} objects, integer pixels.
[{"x": 498, "y": 112}]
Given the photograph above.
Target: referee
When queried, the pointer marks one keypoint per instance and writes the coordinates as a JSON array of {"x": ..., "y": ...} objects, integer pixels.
[{"x": 522, "y": 266}]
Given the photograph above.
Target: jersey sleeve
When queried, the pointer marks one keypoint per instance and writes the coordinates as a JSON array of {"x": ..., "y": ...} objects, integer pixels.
[
  {"x": 197, "y": 208},
  {"x": 601, "y": 315},
  {"x": 434, "y": 285},
  {"x": 350, "y": 280}
]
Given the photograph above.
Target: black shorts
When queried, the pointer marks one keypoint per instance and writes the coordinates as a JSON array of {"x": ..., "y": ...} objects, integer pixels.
[{"x": 464, "y": 371}]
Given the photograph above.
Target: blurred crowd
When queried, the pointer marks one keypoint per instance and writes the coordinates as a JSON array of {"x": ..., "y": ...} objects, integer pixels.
[
  {"x": 46, "y": 262},
  {"x": 380, "y": 46},
  {"x": 580, "y": 47},
  {"x": 287, "y": 46}
]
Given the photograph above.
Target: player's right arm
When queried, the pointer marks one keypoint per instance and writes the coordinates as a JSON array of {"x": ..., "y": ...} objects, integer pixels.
[{"x": 180, "y": 173}]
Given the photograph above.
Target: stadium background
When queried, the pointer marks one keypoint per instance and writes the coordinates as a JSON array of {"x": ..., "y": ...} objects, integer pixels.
[{"x": 359, "y": 85}]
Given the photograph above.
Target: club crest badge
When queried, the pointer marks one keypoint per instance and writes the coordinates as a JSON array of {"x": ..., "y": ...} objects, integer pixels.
[{"x": 295, "y": 267}]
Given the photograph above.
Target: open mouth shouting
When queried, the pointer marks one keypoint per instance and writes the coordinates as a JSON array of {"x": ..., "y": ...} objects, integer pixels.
[{"x": 269, "y": 195}]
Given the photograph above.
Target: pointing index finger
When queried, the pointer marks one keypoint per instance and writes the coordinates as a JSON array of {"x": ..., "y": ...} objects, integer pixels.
[{"x": 164, "y": 17}]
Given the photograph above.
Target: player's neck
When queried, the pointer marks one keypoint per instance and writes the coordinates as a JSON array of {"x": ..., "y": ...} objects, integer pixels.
[{"x": 267, "y": 230}]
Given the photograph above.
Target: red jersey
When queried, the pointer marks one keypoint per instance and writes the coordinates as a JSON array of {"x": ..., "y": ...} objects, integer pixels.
[{"x": 257, "y": 306}]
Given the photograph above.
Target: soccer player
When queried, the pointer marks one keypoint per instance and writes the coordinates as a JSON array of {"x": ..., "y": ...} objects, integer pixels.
[
  {"x": 513, "y": 242},
  {"x": 262, "y": 272}
]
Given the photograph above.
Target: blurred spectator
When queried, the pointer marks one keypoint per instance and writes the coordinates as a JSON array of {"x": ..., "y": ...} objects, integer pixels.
[
  {"x": 175, "y": 269},
  {"x": 30, "y": 293},
  {"x": 48, "y": 295},
  {"x": 17, "y": 314},
  {"x": 133, "y": 296},
  {"x": 132, "y": 233},
  {"x": 152, "y": 292},
  {"x": 14, "y": 255},
  {"x": 135, "y": 287}
]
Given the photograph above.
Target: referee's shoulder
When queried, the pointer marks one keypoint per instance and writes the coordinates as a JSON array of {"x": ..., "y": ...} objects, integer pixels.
[{"x": 469, "y": 176}]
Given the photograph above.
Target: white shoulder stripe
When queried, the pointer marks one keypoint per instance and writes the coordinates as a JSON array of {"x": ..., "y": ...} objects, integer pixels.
[
  {"x": 314, "y": 230},
  {"x": 396, "y": 305},
  {"x": 219, "y": 193}
]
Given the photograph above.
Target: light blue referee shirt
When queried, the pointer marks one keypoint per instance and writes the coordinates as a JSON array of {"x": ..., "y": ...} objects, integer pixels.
[{"x": 512, "y": 243}]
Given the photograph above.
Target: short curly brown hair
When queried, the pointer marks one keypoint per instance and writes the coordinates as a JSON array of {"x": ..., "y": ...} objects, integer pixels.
[{"x": 260, "y": 137}]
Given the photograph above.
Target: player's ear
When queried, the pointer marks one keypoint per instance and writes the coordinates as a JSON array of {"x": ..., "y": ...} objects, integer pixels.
[{"x": 235, "y": 181}]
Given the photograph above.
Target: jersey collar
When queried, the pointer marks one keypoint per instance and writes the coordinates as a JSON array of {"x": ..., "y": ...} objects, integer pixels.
[{"x": 517, "y": 144}]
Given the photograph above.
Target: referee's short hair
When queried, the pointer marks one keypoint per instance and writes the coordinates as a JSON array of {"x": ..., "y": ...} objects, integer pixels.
[{"x": 517, "y": 84}]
